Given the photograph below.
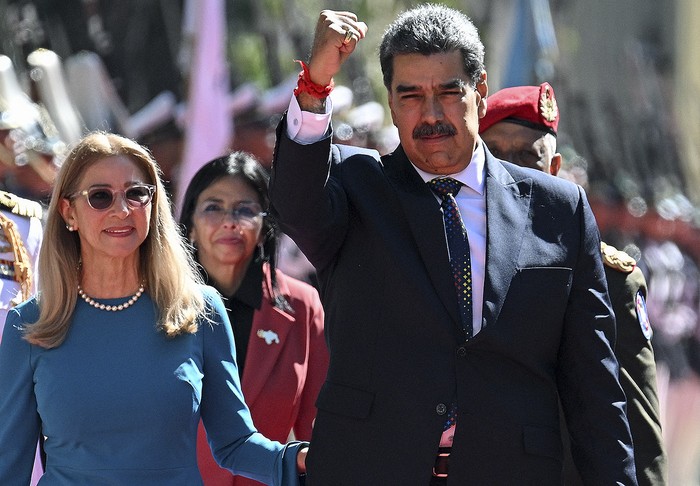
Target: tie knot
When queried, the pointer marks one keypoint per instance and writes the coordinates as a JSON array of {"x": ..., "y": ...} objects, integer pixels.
[{"x": 445, "y": 185}]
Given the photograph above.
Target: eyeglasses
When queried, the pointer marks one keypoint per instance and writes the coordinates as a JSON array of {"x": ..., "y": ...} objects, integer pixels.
[
  {"x": 136, "y": 196},
  {"x": 245, "y": 215}
]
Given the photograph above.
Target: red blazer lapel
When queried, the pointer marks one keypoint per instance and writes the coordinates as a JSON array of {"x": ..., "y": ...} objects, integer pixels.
[{"x": 268, "y": 335}]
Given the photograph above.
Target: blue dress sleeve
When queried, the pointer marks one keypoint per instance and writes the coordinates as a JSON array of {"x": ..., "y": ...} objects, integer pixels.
[
  {"x": 234, "y": 441},
  {"x": 19, "y": 423}
]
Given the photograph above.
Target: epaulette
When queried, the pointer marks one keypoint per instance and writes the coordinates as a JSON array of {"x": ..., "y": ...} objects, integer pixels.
[
  {"x": 21, "y": 206},
  {"x": 617, "y": 259}
]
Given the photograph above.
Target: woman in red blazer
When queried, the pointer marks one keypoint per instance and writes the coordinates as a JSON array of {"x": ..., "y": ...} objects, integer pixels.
[{"x": 277, "y": 320}]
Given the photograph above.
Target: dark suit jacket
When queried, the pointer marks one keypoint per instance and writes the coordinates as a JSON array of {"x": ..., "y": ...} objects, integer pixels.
[{"x": 375, "y": 233}]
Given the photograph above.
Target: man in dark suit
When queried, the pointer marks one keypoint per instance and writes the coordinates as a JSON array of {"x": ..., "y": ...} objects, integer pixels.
[
  {"x": 421, "y": 323},
  {"x": 520, "y": 126}
]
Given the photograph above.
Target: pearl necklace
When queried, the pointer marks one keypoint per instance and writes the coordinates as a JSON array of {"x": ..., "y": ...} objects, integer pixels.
[{"x": 112, "y": 308}]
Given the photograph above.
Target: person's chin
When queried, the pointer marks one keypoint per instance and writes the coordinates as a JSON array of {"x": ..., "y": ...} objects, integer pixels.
[
  {"x": 231, "y": 256},
  {"x": 439, "y": 163}
]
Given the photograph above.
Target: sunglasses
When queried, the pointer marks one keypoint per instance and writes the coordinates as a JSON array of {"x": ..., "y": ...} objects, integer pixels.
[
  {"x": 136, "y": 196},
  {"x": 245, "y": 215}
]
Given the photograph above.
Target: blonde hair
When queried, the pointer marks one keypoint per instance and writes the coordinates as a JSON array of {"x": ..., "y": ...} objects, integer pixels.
[{"x": 170, "y": 275}]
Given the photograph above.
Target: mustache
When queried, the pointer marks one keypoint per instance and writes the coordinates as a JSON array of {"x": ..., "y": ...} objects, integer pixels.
[{"x": 439, "y": 128}]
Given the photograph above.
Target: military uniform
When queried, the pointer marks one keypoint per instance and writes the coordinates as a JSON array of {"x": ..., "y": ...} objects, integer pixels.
[
  {"x": 20, "y": 240},
  {"x": 628, "y": 291}
]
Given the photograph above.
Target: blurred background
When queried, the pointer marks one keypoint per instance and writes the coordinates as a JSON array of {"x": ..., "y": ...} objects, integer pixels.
[{"x": 193, "y": 79}]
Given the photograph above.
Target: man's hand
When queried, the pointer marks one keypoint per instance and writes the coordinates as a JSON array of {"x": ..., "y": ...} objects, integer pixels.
[
  {"x": 330, "y": 50},
  {"x": 337, "y": 34}
]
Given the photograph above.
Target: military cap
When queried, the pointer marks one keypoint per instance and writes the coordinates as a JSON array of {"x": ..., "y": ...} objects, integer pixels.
[{"x": 531, "y": 106}]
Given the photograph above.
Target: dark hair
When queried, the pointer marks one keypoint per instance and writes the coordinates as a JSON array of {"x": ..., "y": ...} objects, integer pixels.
[
  {"x": 432, "y": 29},
  {"x": 246, "y": 166}
]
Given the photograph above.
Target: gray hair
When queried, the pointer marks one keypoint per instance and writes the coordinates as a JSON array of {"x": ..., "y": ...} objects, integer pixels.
[{"x": 432, "y": 29}]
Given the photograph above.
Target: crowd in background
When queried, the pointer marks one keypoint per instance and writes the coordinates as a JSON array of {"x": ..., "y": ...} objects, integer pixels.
[{"x": 39, "y": 113}]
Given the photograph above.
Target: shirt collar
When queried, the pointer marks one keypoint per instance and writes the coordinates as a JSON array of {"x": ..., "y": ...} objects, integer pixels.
[{"x": 471, "y": 176}]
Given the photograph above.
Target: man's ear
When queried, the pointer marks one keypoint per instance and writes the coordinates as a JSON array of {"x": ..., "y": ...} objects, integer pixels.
[
  {"x": 482, "y": 88},
  {"x": 555, "y": 165}
]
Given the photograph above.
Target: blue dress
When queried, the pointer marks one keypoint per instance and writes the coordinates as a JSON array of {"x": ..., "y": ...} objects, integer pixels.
[{"x": 119, "y": 403}]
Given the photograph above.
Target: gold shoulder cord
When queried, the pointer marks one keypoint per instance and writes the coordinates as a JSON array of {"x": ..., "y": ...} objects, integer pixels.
[
  {"x": 617, "y": 259},
  {"x": 23, "y": 266}
]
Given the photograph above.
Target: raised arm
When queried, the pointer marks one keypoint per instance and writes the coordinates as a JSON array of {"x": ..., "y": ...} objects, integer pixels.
[{"x": 306, "y": 192}]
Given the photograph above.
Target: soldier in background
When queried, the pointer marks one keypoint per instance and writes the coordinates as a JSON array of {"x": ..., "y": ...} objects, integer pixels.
[
  {"x": 29, "y": 153},
  {"x": 20, "y": 240},
  {"x": 520, "y": 126}
]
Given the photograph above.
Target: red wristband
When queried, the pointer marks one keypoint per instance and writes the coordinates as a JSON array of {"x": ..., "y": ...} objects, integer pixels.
[{"x": 305, "y": 85}]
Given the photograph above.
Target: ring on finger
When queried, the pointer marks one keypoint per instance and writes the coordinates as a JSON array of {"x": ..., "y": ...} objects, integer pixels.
[{"x": 348, "y": 36}]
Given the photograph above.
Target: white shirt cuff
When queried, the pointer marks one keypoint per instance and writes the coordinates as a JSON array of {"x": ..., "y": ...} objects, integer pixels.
[{"x": 305, "y": 127}]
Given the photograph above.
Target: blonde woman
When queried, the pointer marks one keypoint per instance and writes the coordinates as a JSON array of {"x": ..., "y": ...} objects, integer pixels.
[{"x": 123, "y": 350}]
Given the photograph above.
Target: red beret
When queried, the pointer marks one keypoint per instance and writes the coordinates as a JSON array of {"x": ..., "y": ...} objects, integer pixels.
[{"x": 532, "y": 106}]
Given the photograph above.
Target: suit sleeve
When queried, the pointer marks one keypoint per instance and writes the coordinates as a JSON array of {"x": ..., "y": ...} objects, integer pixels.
[
  {"x": 307, "y": 197},
  {"x": 234, "y": 441},
  {"x": 20, "y": 423},
  {"x": 591, "y": 396},
  {"x": 317, "y": 367}
]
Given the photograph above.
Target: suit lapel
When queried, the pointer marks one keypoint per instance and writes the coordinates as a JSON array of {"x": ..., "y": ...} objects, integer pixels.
[
  {"x": 268, "y": 336},
  {"x": 425, "y": 221},
  {"x": 507, "y": 208}
]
